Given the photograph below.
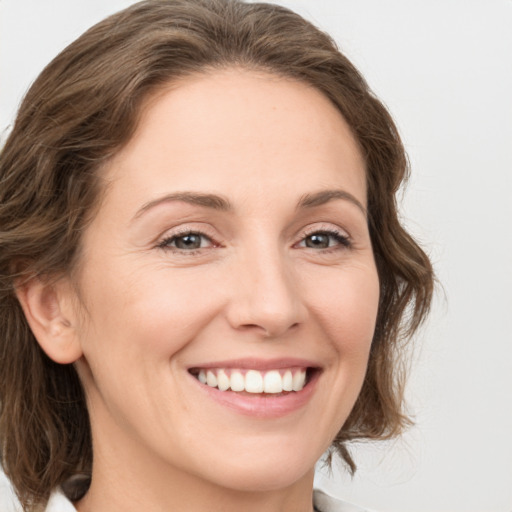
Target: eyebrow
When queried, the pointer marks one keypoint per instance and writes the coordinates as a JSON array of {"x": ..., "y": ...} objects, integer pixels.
[
  {"x": 212, "y": 201},
  {"x": 220, "y": 203},
  {"x": 324, "y": 196}
]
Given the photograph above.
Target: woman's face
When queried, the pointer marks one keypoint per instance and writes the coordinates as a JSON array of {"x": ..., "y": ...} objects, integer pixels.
[{"x": 231, "y": 246}]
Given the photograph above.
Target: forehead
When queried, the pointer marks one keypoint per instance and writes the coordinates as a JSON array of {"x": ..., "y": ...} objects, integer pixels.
[{"x": 244, "y": 129}]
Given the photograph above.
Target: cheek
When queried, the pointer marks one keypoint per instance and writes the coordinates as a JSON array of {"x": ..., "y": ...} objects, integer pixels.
[
  {"x": 345, "y": 309},
  {"x": 151, "y": 314},
  {"x": 346, "y": 303}
]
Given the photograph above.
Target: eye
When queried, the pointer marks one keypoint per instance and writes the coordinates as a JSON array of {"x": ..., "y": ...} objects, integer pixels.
[
  {"x": 325, "y": 240},
  {"x": 189, "y": 241}
]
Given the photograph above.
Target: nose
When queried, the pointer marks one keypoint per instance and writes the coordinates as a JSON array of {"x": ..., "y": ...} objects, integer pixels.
[{"x": 265, "y": 296}]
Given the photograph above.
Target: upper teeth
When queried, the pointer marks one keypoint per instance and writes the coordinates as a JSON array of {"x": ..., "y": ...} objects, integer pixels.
[{"x": 254, "y": 381}]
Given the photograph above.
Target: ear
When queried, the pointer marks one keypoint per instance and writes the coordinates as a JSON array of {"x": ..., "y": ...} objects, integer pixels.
[{"x": 48, "y": 308}]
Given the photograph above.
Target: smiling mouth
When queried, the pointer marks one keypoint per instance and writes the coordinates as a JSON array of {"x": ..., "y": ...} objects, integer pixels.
[{"x": 271, "y": 382}]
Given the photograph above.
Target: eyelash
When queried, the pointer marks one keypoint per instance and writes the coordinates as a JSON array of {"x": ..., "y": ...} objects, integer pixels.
[
  {"x": 165, "y": 244},
  {"x": 342, "y": 241}
]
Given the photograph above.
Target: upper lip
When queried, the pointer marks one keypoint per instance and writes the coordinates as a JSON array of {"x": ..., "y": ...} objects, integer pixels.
[{"x": 259, "y": 364}]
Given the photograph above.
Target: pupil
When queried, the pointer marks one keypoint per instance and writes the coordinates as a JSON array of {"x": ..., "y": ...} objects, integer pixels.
[
  {"x": 318, "y": 241},
  {"x": 188, "y": 242}
]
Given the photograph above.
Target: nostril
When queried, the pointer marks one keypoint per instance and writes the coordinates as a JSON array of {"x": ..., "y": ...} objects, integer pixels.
[{"x": 268, "y": 331}]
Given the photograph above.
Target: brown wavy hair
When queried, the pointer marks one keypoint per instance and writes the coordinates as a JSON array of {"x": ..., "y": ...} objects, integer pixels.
[{"x": 81, "y": 110}]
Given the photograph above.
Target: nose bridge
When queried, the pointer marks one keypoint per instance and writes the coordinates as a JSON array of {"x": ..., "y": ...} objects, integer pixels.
[{"x": 266, "y": 296}]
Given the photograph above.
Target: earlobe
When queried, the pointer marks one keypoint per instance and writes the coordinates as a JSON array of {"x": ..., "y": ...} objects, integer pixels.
[{"x": 49, "y": 313}]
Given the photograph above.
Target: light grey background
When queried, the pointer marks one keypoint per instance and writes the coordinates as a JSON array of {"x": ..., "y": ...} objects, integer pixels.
[{"x": 444, "y": 68}]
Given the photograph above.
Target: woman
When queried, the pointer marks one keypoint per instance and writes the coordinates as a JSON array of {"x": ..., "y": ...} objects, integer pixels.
[{"x": 204, "y": 281}]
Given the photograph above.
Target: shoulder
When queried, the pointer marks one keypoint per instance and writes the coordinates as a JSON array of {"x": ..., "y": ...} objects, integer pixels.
[
  {"x": 9, "y": 502},
  {"x": 59, "y": 503},
  {"x": 325, "y": 503}
]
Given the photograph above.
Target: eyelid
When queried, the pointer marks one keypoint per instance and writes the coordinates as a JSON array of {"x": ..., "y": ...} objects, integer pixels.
[
  {"x": 184, "y": 230},
  {"x": 326, "y": 227},
  {"x": 344, "y": 240},
  {"x": 165, "y": 243}
]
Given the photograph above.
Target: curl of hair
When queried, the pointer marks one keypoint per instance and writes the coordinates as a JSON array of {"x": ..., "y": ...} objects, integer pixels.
[{"x": 80, "y": 111}]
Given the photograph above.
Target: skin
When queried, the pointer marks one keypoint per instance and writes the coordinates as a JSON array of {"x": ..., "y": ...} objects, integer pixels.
[{"x": 141, "y": 310}]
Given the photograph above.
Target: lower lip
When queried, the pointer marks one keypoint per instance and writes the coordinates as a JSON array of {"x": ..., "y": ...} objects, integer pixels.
[{"x": 262, "y": 406}]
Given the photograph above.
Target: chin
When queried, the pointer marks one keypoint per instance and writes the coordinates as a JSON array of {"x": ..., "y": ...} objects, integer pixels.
[
  {"x": 268, "y": 466},
  {"x": 262, "y": 477}
]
